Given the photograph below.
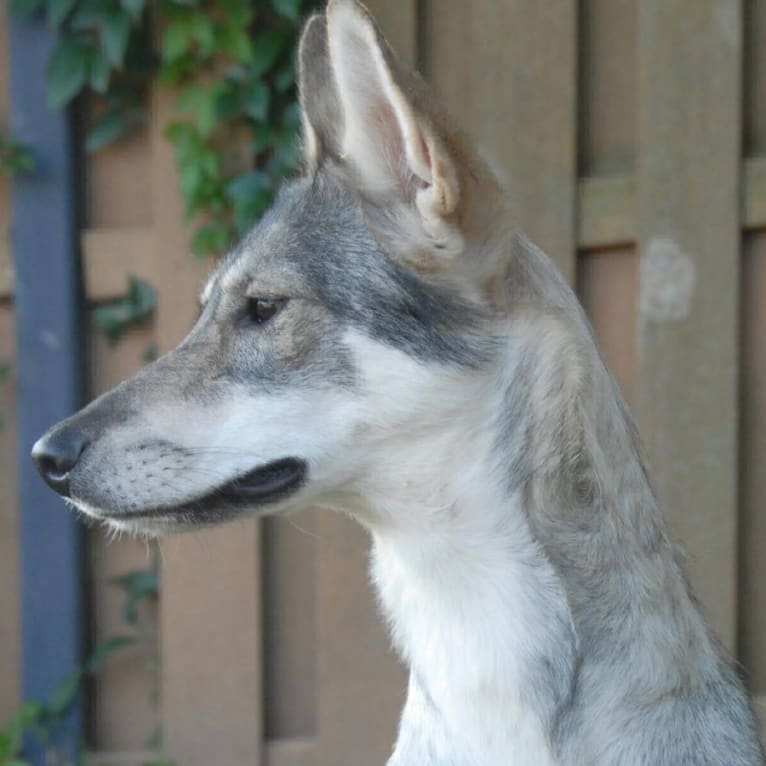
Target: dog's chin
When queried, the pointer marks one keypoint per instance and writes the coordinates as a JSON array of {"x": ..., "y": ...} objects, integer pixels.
[{"x": 259, "y": 492}]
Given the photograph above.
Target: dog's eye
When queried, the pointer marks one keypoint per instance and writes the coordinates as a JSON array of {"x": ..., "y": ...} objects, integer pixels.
[{"x": 260, "y": 310}]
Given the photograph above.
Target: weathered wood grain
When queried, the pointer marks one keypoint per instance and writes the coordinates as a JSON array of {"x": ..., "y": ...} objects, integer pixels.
[
  {"x": 689, "y": 239},
  {"x": 508, "y": 74}
]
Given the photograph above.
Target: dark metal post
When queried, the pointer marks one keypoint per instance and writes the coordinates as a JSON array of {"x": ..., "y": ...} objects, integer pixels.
[{"x": 49, "y": 373}]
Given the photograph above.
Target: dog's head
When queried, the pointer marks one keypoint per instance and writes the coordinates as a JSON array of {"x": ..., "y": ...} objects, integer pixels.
[{"x": 345, "y": 321}]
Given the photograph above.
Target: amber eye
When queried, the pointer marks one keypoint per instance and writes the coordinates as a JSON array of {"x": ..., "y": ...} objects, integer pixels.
[{"x": 261, "y": 310}]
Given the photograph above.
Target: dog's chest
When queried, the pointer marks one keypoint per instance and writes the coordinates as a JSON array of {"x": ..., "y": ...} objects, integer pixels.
[{"x": 469, "y": 697}]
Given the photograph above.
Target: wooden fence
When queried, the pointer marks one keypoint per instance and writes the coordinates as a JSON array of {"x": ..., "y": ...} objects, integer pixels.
[{"x": 632, "y": 134}]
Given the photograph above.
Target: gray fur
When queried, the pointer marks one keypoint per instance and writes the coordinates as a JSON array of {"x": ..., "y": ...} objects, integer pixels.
[
  {"x": 317, "y": 230},
  {"x": 652, "y": 686}
]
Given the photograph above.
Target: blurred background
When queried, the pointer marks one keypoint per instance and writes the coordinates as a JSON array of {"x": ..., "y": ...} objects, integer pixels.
[{"x": 139, "y": 137}]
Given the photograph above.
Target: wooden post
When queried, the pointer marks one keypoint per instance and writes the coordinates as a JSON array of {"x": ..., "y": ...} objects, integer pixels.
[
  {"x": 10, "y": 643},
  {"x": 752, "y": 565},
  {"x": 49, "y": 374},
  {"x": 690, "y": 126}
]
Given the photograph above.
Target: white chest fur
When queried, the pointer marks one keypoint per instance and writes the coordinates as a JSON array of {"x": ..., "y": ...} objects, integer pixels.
[{"x": 480, "y": 619}]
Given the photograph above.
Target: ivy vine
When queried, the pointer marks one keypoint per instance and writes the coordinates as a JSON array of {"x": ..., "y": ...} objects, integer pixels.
[
  {"x": 230, "y": 64},
  {"x": 15, "y": 157},
  {"x": 41, "y": 719}
]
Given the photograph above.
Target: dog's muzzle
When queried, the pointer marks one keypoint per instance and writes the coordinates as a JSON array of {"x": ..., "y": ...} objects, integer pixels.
[{"x": 58, "y": 453}]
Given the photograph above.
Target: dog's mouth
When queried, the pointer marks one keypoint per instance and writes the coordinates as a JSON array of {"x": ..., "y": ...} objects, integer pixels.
[
  {"x": 265, "y": 485},
  {"x": 268, "y": 483}
]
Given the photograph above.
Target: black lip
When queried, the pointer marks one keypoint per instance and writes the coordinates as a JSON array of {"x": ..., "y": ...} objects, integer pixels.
[
  {"x": 270, "y": 482},
  {"x": 267, "y": 484}
]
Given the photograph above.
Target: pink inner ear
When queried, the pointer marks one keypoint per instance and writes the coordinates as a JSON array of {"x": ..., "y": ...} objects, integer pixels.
[{"x": 426, "y": 153}]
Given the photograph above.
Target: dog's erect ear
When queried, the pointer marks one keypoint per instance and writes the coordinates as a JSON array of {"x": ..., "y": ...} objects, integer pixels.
[
  {"x": 319, "y": 101},
  {"x": 364, "y": 111}
]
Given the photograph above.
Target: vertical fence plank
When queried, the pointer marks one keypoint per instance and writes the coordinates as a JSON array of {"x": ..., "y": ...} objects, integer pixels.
[
  {"x": 210, "y": 606},
  {"x": 10, "y": 648},
  {"x": 752, "y": 568},
  {"x": 9, "y": 519},
  {"x": 290, "y": 627},
  {"x": 49, "y": 374},
  {"x": 689, "y": 240},
  {"x": 508, "y": 72},
  {"x": 755, "y": 77},
  {"x": 361, "y": 686},
  {"x": 399, "y": 22},
  {"x": 607, "y": 281},
  {"x": 607, "y": 92}
]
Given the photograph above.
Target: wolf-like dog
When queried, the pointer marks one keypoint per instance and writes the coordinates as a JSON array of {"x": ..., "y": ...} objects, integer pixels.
[{"x": 385, "y": 343}]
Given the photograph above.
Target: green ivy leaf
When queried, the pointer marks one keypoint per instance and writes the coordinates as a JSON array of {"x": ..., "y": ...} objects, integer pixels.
[
  {"x": 267, "y": 47},
  {"x": 236, "y": 41},
  {"x": 228, "y": 101},
  {"x": 107, "y": 129},
  {"x": 63, "y": 696},
  {"x": 200, "y": 103},
  {"x": 15, "y": 158},
  {"x": 264, "y": 136},
  {"x": 284, "y": 79},
  {"x": 144, "y": 582},
  {"x": 291, "y": 117},
  {"x": 115, "y": 33},
  {"x": 115, "y": 317},
  {"x": 179, "y": 132},
  {"x": 89, "y": 15},
  {"x": 67, "y": 71},
  {"x": 24, "y": 7},
  {"x": 150, "y": 353},
  {"x": 177, "y": 39},
  {"x": 173, "y": 72},
  {"x": 30, "y": 713},
  {"x": 257, "y": 100},
  {"x": 290, "y": 9},
  {"x": 210, "y": 239},
  {"x": 285, "y": 156},
  {"x": 99, "y": 71},
  {"x": 248, "y": 186},
  {"x": 202, "y": 32},
  {"x": 239, "y": 12},
  {"x": 134, "y": 7},
  {"x": 105, "y": 650},
  {"x": 58, "y": 10},
  {"x": 250, "y": 195}
]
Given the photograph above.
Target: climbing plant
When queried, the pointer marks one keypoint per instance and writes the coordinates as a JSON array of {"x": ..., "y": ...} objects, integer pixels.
[
  {"x": 230, "y": 67},
  {"x": 15, "y": 156},
  {"x": 41, "y": 718}
]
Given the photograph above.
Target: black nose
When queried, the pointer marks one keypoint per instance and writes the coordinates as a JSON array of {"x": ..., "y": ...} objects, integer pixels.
[{"x": 56, "y": 454}]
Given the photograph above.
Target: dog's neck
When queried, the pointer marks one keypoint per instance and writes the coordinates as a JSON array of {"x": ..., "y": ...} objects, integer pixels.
[
  {"x": 476, "y": 609},
  {"x": 477, "y": 559},
  {"x": 481, "y": 620}
]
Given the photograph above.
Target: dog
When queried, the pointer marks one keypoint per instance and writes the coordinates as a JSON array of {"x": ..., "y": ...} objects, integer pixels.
[{"x": 386, "y": 344}]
